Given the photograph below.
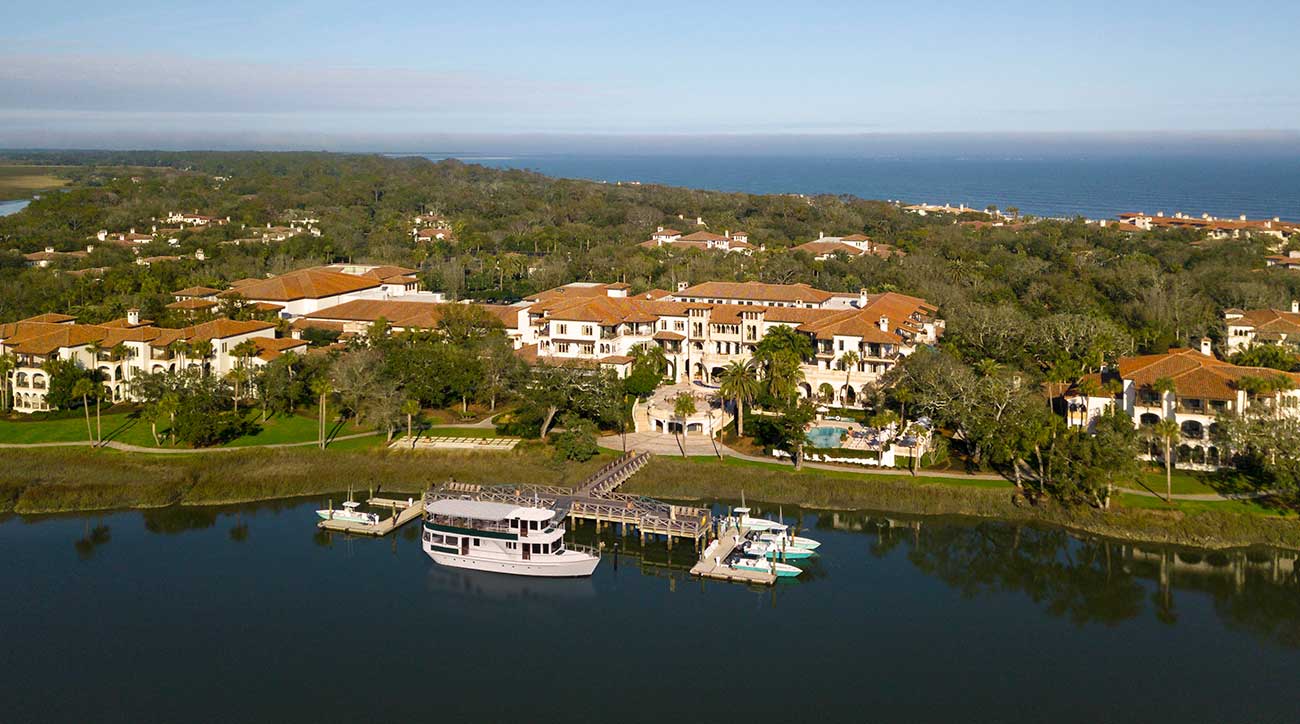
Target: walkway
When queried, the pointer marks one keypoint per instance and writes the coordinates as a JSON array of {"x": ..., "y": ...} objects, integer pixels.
[{"x": 660, "y": 444}]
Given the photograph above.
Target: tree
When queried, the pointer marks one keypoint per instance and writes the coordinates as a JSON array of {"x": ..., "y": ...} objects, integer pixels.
[
  {"x": 1275, "y": 356},
  {"x": 791, "y": 429},
  {"x": 1167, "y": 432},
  {"x": 85, "y": 388},
  {"x": 321, "y": 388},
  {"x": 848, "y": 361},
  {"x": 577, "y": 441},
  {"x": 683, "y": 408},
  {"x": 410, "y": 408},
  {"x": 8, "y": 363},
  {"x": 501, "y": 369},
  {"x": 740, "y": 384}
]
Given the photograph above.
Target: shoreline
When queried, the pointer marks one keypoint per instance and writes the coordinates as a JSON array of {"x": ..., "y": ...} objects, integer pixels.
[{"x": 51, "y": 482}]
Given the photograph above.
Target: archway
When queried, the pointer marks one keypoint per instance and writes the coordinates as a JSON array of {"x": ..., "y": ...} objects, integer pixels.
[
  {"x": 848, "y": 396},
  {"x": 1192, "y": 429},
  {"x": 1148, "y": 418},
  {"x": 805, "y": 390}
]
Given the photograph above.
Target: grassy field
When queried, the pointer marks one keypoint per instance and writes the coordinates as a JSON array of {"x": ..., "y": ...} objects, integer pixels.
[
  {"x": 23, "y": 182},
  {"x": 127, "y": 427}
]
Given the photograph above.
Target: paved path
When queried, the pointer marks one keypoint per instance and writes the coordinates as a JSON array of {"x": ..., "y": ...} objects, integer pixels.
[{"x": 660, "y": 444}]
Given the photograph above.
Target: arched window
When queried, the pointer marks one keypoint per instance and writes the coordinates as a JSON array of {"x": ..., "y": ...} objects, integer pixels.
[
  {"x": 1149, "y": 418},
  {"x": 1193, "y": 430}
]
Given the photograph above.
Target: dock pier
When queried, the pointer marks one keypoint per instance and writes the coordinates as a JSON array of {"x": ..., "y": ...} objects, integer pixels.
[
  {"x": 403, "y": 512},
  {"x": 712, "y": 563}
]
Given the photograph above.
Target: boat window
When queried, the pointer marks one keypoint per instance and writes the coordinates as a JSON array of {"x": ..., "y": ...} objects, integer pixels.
[
  {"x": 477, "y": 542},
  {"x": 514, "y": 522},
  {"x": 532, "y": 525},
  {"x": 451, "y": 540},
  {"x": 511, "y": 546}
]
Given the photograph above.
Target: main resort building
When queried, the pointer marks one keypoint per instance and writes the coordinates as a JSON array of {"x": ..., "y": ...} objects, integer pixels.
[{"x": 701, "y": 329}]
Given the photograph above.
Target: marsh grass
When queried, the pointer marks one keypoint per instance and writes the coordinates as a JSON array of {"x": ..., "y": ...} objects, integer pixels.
[{"x": 74, "y": 479}]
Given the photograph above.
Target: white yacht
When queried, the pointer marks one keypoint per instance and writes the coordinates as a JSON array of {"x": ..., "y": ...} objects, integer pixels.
[{"x": 502, "y": 537}]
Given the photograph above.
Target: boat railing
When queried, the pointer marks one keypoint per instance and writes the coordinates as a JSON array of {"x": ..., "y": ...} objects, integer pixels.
[{"x": 580, "y": 548}]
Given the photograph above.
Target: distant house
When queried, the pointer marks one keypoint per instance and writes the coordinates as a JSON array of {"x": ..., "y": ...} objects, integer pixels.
[
  {"x": 1261, "y": 326},
  {"x": 703, "y": 240},
  {"x": 44, "y": 259},
  {"x": 1291, "y": 260},
  {"x": 1213, "y": 226},
  {"x": 853, "y": 245}
]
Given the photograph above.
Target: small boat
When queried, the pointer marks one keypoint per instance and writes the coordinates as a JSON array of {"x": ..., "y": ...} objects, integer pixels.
[
  {"x": 774, "y": 552},
  {"x": 755, "y": 563},
  {"x": 790, "y": 541},
  {"x": 350, "y": 514},
  {"x": 745, "y": 521}
]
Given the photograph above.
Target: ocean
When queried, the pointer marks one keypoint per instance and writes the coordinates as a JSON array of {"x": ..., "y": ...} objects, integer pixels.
[{"x": 1225, "y": 186}]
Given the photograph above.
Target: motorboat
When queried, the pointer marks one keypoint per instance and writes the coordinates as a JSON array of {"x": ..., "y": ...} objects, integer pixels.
[
  {"x": 746, "y": 562},
  {"x": 350, "y": 513}
]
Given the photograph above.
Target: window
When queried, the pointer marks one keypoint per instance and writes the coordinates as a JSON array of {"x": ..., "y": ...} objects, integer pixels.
[
  {"x": 477, "y": 542},
  {"x": 562, "y": 347},
  {"x": 589, "y": 348},
  {"x": 586, "y": 330},
  {"x": 679, "y": 325},
  {"x": 562, "y": 328}
]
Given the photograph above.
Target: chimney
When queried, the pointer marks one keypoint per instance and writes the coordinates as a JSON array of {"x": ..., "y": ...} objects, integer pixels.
[
  {"x": 102, "y": 235},
  {"x": 90, "y": 248},
  {"x": 884, "y": 324},
  {"x": 1295, "y": 306},
  {"x": 199, "y": 255},
  {"x": 726, "y": 233},
  {"x": 862, "y": 299},
  {"x": 1206, "y": 349},
  {"x": 153, "y": 229},
  {"x": 660, "y": 229},
  {"x": 1160, "y": 214},
  {"x": 681, "y": 286},
  {"x": 821, "y": 235},
  {"x": 133, "y": 317},
  {"x": 49, "y": 250},
  {"x": 1242, "y": 217},
  {"x": 132, "y": 229}
]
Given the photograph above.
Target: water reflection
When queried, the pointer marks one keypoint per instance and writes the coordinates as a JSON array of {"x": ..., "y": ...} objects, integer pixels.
[
  {"x": 1092, "y": 581},
  {"x": 92, "y": 539}
]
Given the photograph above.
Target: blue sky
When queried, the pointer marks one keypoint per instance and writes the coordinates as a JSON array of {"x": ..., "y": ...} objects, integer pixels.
[{"x": 318, "y": 72}]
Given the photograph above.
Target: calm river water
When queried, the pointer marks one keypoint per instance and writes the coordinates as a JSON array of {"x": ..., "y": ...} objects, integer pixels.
[{"x": 248, "y": 614}]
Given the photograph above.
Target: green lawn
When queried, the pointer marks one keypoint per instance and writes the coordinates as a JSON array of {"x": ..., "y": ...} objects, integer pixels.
[
  {"x": 1183, "y": 481},
  {"x": 1192, "y": 506},
  {"x": 128, "y": 428}
]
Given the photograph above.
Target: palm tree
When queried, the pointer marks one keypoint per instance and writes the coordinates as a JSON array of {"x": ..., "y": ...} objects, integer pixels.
[
  {"x": 243, "y": 353},
  {"x": 321, "y": 387},
  {"x": 784, "y": 373},
  {"x": 100, "y": 392},
  {"x": 740, "y": 383},
  {"x": 683, "y": 407},
  {"x": 167, "y": 406},
  {"x": 202, "y": 351},
  {"x": 825, "y": 393},
  {"x": 848, "y": 361},
  {"x": 651, "y": 355},
  {"x": 7, "y": 365},
  {"x": 1163, "y": 386},
  {"x": 84, "y": 388},
  {"x": 411, "y": 408},
  {"x": 1167, "y": 431}
]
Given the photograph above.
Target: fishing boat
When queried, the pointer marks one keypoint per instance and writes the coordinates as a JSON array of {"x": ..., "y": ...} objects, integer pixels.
[
  {"x": 783, "y": 537},
  {"x": 520, "y": 540},
  {"x": 774, "y": 552},
  {"x": 744, "y": 520},
  {"x": 350, "y": 513},
  {"x": 755, "y": 563}
]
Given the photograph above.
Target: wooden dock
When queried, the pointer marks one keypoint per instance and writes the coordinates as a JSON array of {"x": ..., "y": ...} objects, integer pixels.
[
  {"x": 403, "y": 512},
  {"x": 713, "y": 564}
]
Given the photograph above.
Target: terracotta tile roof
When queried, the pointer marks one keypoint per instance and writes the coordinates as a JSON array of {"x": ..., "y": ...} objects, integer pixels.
[
  {"x": 1275, "y": 321},
  {"x": 669, "y": 336},
  {"x": 207, "y": 331},
  {"x": 403, "y": 314},
  {"x": 196, "y": 292},
  {"x": 302, "y": 284},
  {"x": 271, "y": 348},
  {"x": 51, "y": 318},
  {"x": 757, "y": 291},
  {"x": 192, "y": 305},
  {"x": 703, "y": 236},
  {"x": 1193, "y": 374},
  {"x": 41, "y": 338}
]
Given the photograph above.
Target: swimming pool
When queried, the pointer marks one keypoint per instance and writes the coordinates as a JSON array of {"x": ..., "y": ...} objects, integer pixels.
[{"x": 826, "y": 436}]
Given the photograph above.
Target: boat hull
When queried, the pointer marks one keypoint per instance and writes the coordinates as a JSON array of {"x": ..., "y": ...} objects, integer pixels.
[
  {"x": 570, "y": 565},
  {"x": 790, "y": 554},
  {"x": 781, "y": 570}
]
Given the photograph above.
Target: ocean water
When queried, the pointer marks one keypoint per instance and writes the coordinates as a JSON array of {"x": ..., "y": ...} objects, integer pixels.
[
  {"x": 1225, "y": 186},
  {"x": 12, "y": 207}
]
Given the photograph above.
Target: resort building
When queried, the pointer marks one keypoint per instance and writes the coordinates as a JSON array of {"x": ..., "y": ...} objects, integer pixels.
[
  {"x": 1261, "y": 326},
  {"x": 43, "y": 259},
  {"x": 1203, "y": 388},
  {"x": 853, "y": 245},
  {"x": 125, "y": 348},
  {"x": 1214, "y": 227},
  {"x": 729, "y": 241},
  {"x": 1290, "y": 260},
  {"x": 305, "y": 291}
]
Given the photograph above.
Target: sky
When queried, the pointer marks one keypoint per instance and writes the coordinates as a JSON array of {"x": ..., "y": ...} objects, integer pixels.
[{"x": 400, "y": 75}]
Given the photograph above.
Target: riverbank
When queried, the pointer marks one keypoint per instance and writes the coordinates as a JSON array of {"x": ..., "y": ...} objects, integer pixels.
[
  {"x": 58, "y": 480},
  {"x": 1228, "y": 524}
]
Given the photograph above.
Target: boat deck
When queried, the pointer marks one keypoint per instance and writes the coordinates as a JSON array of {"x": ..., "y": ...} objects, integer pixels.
[
  {"x": 403, "y": 513},
  {"x": 726, "y": 544}
]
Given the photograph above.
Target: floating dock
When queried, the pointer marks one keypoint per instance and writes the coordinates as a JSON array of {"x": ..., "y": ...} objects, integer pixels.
[
  {"x": 713, "y": 564},
  {"x": 403, "y": 512}
]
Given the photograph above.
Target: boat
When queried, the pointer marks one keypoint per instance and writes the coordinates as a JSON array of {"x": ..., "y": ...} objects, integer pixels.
[
  {"x": 754, "y": 563},
  {"x": 790, "y": 541},
  {"x": 743, "y": 519},
  {"x": 519, "y": 540},
  {"x": 774, "y": 552},
  {"x": 350, "y": 514}
]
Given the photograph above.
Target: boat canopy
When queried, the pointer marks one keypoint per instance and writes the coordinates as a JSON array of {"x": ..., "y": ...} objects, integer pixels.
[{"x": 485, "y": 510}]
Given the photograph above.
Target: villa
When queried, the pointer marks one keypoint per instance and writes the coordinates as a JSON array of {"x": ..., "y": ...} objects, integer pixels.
[
  {"x": 1203, "y": 388},
  {"x": 853, "y": 245},
  {"x": 1261, "y": 326},
  {"x": 1214, "y": 227},
  {"x": 737, "y": 242},
  {"x": 125, "y": 348}
]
